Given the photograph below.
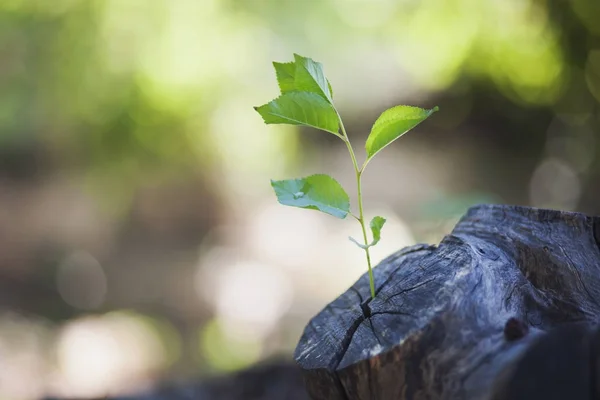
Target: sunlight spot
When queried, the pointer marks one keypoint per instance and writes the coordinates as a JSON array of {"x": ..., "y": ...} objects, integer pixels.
[
  {"x": 282, "y": 235},
  {"x": 250, "y": 298},
  {"x": 109, "y": 354}
]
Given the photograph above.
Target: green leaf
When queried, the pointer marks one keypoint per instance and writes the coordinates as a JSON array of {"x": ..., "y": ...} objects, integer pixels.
[
  {"x": 316, "y": 192},
  {"x": 301, "y": 108},
  {"x": 376, "y": 225},
  {"x": 286, "y": 77},
  {"x": 356, "y": 242},
  {"x": 286, "y": 73},
  {"x": 309, "y": 77},
  {"x": 392, "y": 124}
]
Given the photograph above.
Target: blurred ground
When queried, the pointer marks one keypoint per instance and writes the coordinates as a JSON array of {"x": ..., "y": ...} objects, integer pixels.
[{"x": 140, "y": 241}]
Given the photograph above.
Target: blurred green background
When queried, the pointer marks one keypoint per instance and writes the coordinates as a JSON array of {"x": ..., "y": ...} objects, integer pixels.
[{"x": 140, "y": 241}]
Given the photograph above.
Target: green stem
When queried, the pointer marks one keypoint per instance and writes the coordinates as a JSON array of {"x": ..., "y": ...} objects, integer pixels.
[{"x": 361, "y": 217}]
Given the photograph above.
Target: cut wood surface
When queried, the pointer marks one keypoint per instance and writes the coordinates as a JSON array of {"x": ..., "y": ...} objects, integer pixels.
[{"x": 502, "y": 305}]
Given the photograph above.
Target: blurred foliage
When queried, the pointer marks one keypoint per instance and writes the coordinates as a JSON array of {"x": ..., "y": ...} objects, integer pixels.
[
  {"x": 226, "y": 352},
  {"x": 148, "y": 103},
  {"x": 128, "y": 88},
  {"x": 123, "y": 89}
]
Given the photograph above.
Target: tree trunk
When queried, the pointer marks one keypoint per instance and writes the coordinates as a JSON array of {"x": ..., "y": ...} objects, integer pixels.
[{"x": 473, "y": 318}]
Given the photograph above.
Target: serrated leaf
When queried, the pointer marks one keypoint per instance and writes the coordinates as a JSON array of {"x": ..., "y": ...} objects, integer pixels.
[
  {"x": 392, "y": 124},
  {"x": 376, "y": 225},
  {"x": 301, "y": 108},
  {"x": 309, "y": 77},
  {"x": 285, "y": 73},
  {"x": 316, "y": 192}
]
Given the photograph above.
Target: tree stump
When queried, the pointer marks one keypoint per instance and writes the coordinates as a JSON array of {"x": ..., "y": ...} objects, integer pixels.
[{"x": 502, "y": 308}]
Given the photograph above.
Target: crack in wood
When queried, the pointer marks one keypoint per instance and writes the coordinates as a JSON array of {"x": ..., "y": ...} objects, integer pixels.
[
  {"x": 442, "y": 338},
  {"x": 345, "y": 342},
  {"x": 409, "y": 289}
]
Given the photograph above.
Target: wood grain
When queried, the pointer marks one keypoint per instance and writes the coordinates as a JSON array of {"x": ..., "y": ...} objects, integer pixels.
[{"x": 459, "y": 320}]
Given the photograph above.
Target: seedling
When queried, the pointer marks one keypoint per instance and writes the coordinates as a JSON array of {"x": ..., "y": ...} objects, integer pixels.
[{"x": 307, "y": 99}]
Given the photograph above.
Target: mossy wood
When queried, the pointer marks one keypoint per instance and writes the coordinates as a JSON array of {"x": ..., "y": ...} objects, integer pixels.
[{"x": 502, "y": 308}]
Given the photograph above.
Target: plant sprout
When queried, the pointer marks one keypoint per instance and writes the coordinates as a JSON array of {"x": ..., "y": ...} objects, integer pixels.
[{"x": 307, "y": 99}]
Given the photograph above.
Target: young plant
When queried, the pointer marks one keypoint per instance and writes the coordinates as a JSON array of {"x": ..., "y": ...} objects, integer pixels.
[{"x": 307, "y": 99}]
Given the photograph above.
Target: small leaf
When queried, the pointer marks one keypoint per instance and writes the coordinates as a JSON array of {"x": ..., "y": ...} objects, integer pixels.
[
  {"x": 286, "y": 73},
  {"x": 316, "y": 192},
  {"x": 300, "y": 108},
  {"x": 376, "y": 225},
  {"x": 392, "y": 124},
  {"x": 356, "y": 242},
  {"x": 309, "y": 77},
  {"x": 286, "y": 76}
]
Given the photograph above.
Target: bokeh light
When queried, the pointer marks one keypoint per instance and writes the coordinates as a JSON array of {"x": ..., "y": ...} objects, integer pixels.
[
  {"x": 81, "y": 281},
  {"x": 141, "y": 241},
  {"x": 102, "y": 355}
]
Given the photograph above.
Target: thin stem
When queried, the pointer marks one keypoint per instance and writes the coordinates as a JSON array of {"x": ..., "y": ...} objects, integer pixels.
[
  {"x": 338, "y": 135},
  {"x": 364, "y": 164},
  {"x": 361, "y": 217}
]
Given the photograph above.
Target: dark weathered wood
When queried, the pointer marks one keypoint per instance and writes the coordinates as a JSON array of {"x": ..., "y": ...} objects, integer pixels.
[{"x": 465, "y": 319}]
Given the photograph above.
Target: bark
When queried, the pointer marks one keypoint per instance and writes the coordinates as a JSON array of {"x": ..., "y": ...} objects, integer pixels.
[{"x": 501, "y": 309}]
